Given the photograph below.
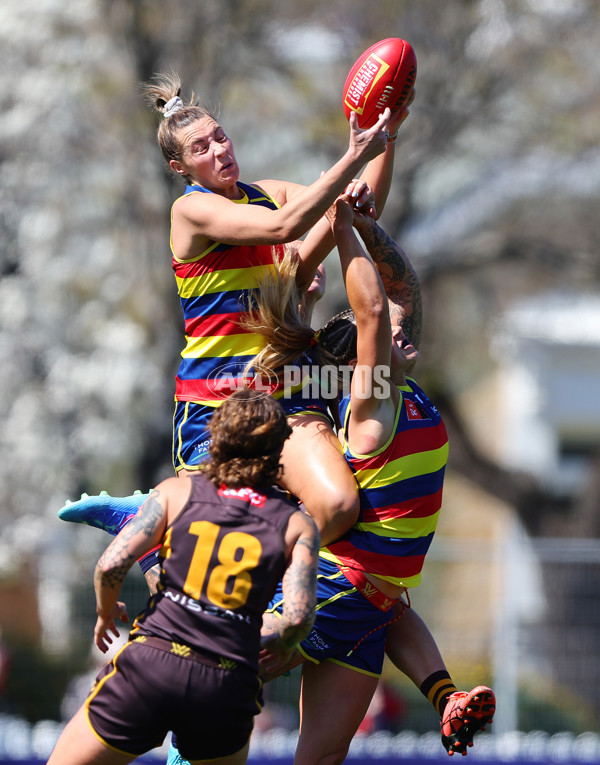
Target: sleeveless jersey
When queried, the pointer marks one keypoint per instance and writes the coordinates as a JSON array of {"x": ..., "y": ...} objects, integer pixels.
[
  {"x": 221, "y": 560},
  {"x": 214, "y": 289},
  {"x": 400, "y": 491}
]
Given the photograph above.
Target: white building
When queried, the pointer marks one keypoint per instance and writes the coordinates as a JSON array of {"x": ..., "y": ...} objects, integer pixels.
[{"x": 548, "y": 388}]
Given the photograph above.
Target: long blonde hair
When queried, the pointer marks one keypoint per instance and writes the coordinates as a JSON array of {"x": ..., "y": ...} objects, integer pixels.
[{"x": 275, "y": 313}]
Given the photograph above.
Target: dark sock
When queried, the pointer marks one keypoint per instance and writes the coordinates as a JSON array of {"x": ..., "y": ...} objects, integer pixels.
[{"x": 436, "y": 688}]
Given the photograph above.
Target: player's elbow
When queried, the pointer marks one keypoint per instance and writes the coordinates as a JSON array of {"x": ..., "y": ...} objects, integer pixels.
[
  {"x": 296, "y": 624},
  {"x": 285, "y": 231},
  {"x": 301, "y": 620},
  {"x": 378, "y": 306},
  {"x": 286, "y": 226},
  {"x": 307, "y": 624},
  {"x": 373, "y": 310},
  {"x": 304, "y": 624},
  {"x": 103, "y": 572}
]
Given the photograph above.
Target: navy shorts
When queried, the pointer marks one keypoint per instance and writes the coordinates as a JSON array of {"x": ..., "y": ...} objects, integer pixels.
[
  {"x": 191, "y": 437},
  {"x": 145, "y": 692},
  {"x": 348, "y": 629}
]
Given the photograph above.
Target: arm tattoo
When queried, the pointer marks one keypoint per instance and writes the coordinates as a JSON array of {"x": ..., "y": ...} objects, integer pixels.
[
  {"x": 298, "y": 614},
  {"x": 299, "y": 589},
  {"x": 117, "y": 559},
  {"x": 312, "y": 544},
  {"x": 386, "y": 254},
  {"x": 117, "y": 563},
  {"x": 147, "y": 518},
  {"x": 399, "y": 279}
]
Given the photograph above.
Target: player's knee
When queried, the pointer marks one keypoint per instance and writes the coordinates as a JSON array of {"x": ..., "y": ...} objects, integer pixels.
[
  {"x": 340, "y": 497},
  {"x": 335, "y": 515}
]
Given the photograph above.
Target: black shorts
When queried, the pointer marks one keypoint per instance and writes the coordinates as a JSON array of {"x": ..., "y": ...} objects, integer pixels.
[{"x": 147, "y": 691}]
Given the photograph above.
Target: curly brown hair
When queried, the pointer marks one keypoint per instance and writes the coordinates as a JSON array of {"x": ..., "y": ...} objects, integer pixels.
[{"x": 248, "y": 431}]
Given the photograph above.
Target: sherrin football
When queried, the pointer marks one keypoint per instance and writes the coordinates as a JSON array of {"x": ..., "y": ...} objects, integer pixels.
[{"x": 382, "y": 76}]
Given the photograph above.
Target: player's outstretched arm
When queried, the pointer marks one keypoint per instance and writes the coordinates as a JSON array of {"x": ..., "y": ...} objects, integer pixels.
[
  {"x": 369, "y": 194},
  {"x": 138, "y": 537},
  {"x": 366, "y": 296},
  {"x": 379, "y": 172},
  {"x": 373, "y": 398},
  {"x": 218, "y": 218},
  {"x": 398, "y": 276}
]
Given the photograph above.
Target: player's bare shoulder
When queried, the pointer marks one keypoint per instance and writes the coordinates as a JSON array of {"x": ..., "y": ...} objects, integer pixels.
[
  {"x": 197, "y": 207},
  {"x": 193, "y": 217},
  {"x": 280, "y": 191},
  {"x": 173, "y": 494}
]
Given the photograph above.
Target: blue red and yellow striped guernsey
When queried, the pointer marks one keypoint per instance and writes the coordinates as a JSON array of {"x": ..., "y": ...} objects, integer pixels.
[
  {"x": 214, "y": 291},
  {"x": 400, "y": 490}
]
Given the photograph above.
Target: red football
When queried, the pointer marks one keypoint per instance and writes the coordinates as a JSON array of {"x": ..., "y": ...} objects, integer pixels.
[{"x": 382, "y": 76}]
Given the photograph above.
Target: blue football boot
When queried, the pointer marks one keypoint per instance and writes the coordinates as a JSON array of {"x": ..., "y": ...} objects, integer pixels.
[
  {"x": 174, "y": 758},
  {"x": 103, "y": 511}
]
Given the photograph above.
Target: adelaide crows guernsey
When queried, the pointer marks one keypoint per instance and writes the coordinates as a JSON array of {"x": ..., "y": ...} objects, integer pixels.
[
  {"x": 214, "y": 291},
  {"x": 221, "y": 560},
  {"x": 400, "y": 491}
]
